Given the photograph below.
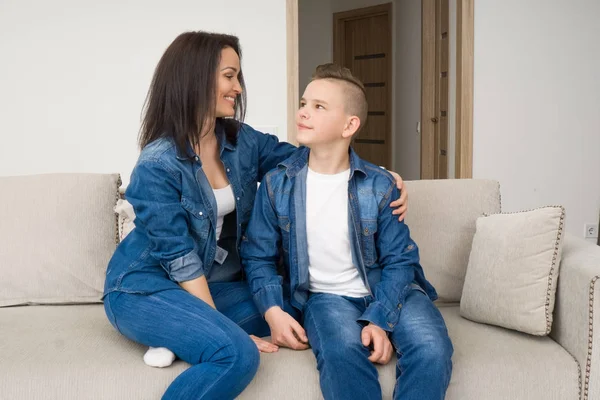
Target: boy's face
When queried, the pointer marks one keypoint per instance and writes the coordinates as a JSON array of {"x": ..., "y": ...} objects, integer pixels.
[{"x": 321, "y": 118}]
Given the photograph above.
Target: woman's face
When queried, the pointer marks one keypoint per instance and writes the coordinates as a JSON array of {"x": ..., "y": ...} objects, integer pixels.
[{"x": 228, "y": 85}]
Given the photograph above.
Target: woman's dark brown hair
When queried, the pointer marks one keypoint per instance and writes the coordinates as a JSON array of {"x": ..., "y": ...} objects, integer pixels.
[{"x": 181, "y": 100}]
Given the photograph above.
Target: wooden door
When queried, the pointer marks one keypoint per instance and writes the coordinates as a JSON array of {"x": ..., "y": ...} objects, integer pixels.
[
  {"x": 362, "y": 42},
  {"x": 434, "y": 89},
  {"x": 441, "y": 89}
]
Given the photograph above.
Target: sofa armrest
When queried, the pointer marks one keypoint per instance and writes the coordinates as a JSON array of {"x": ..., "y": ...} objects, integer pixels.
[{"x": 577, "y": 311}]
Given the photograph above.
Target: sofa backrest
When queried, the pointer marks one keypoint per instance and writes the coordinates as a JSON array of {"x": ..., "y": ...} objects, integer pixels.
[
  {"x": 441, "y": 217},
  {"x": 57, "y": 234}
]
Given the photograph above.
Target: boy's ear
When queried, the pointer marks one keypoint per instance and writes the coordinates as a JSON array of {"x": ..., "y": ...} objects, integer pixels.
[{"x": 351, "y": 127}]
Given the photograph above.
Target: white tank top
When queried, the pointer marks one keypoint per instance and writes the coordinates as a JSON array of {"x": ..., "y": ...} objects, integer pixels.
[{"x": 225, "y": 204}]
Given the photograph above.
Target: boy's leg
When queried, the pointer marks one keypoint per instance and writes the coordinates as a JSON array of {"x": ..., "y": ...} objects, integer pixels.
[
  {"x": 335, "y": 337},
  {"x": 424, "y": 350}
]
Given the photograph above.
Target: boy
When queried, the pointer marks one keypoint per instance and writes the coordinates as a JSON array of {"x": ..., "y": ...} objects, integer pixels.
[{"x": 353, "y": 270}]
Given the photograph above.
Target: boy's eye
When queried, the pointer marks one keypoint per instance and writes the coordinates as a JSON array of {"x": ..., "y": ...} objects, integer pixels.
[
  {"x": 302, "y": 104},
  {"x": 320, "y": 106},
  {"x": 229, "y": 76}
]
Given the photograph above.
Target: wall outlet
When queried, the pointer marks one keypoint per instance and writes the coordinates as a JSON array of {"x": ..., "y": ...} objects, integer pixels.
[{"x": 591, "y": 231}]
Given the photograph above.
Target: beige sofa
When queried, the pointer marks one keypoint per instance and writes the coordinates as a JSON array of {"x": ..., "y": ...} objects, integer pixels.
[{"x": 58, "y": 231}]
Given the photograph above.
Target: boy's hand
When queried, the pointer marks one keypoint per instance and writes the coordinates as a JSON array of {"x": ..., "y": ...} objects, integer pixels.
[
  {"x": 263, "y": 345},
  {"x": 382, "y": 347},
  {"x": 285, "y": 330},
  {"x": 400, "y": 205}
]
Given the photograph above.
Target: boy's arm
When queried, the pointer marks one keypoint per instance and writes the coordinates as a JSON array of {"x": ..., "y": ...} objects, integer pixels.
[
  {"x": 260, "y": 253},
  {"x": 398, "y": 256}
]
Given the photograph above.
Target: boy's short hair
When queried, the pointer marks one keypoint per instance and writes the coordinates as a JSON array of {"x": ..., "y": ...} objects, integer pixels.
[{"x": 355, "y": 96}]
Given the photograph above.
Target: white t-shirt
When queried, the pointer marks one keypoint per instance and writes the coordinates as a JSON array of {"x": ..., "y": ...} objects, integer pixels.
[
  {"x": 225, "y": 204},
  {"x": 330, "y": 269}
]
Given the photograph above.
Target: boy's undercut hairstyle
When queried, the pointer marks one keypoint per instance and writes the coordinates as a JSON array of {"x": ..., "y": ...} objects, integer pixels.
[{"x": 355, "y": 95}]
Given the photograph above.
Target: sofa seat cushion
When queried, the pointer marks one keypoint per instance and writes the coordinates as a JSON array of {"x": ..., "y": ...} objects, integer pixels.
[{"x": 72, "y": 352}]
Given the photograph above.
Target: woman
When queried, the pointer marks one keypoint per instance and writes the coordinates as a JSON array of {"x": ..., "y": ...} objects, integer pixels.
[{"x": 176, "y": 280}]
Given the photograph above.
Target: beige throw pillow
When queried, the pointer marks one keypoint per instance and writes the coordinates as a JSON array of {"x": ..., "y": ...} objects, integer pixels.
[
  {"x": 513, "y": 270},
  {"x": 57, "y": 234}
]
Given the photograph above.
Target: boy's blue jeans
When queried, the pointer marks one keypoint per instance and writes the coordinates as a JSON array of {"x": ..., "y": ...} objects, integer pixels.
[
  {"x": 216, "y": 343},
  {"x": 420, "y": 338}
]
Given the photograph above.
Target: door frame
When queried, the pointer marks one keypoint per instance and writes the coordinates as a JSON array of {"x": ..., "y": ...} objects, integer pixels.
[{"x": 464, "y": 79}]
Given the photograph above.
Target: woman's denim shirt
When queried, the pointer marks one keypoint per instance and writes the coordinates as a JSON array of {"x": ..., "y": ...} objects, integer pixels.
[{"x": 174, "y": 239}]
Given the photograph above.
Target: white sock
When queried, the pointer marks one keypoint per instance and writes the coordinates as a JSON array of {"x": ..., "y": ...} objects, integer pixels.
[{"x": 159, "y": 357}]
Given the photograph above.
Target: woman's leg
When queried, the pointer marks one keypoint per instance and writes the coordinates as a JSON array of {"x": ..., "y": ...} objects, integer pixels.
[
  {"x": 224, "y": 359},
  {"x": 235, "y": 301}
]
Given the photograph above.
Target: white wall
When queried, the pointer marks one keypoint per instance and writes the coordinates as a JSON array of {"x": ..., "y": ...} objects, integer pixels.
[
  {"x": 74, "y": 74},
  {"x": 537, "y": 103},
  {"x": 315, "y": 37},
  {"x": 407, "y": 88}
]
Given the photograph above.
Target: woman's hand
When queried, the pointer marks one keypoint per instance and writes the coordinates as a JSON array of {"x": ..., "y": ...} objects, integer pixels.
[
  {"x": 400, "y": 205},
  {"x": 263, "y": 345}
]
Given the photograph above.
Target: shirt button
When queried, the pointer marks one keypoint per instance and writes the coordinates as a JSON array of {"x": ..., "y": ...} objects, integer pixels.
[
  {"x": 399, "y": 306},
  {"x": 200, "y": 213},
  {"x": 390, "y": 325},
  {"x": 238, "y": 199},
  {"x": 228, "y": 170},
  {"x": 197, "y": 158}
]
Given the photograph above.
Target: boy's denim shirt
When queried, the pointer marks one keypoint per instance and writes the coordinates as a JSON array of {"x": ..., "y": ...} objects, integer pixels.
[
  {"x": 385, "y": 255},
  {"x": 175, "y": 235}
]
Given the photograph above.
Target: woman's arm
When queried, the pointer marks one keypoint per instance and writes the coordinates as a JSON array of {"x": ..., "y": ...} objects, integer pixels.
[
  {"x": 270, "y": 150},
  {"x": 199, "y": 288},
  {"x": 155, "y": 194}
]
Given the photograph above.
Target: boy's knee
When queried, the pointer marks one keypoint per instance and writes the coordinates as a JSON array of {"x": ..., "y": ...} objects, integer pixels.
[
  {"x": 435, "y": 352},
  {"x": 342, "y": 353}
]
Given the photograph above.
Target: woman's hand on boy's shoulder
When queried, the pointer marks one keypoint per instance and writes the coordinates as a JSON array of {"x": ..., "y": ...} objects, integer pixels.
[{"x": 401, "y": 204}]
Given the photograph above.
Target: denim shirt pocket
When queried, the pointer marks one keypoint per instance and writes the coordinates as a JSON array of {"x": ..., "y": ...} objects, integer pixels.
[
  {"x": 368, "y": 230},
  {"x": 284, "y": 226},
  {"x": 198, "y": 218},
  {"x": 248, "y": 177}
]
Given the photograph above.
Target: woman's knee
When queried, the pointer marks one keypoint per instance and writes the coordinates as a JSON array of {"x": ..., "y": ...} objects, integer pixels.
[
  {"x": 238, "y": 352},
  {"x": 248, "y": 354}
]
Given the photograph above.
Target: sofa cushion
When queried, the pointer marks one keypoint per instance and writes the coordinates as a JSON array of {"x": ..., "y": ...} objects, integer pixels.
[
  {"x": 441, "y": 217},
  {"x": 72, "y": 352},
  {"x": 513, "y": 270},
  {"x": 58, "y": 232}
]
